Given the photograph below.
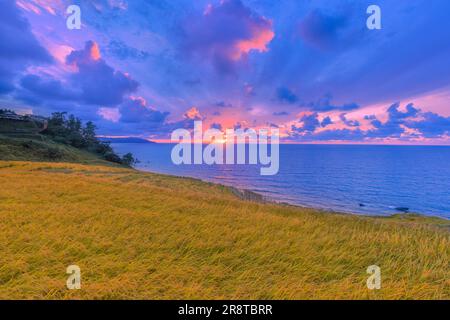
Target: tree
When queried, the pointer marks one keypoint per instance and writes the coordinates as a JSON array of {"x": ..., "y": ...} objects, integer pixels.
[
  {"x": 89, "y": 133},
  {"x": 70, "y": 130},
  {"x": 128, "y": 160},
  {"x": 74, "y": 135}
]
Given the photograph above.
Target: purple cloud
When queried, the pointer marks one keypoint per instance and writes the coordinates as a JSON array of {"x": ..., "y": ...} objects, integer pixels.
[
  {"x": 217, "y": 126},
  {"x": 226, "y": 33},
  {"x": 319, "y": 29},
  {"x": 281, "y": 114},
  {"x": 136, "y": 110},
  {"x": 309, "y": 123},
  {"x": 100, "y": 84},
  {"x": 46, "y": 88},
  {"x": 326, "y": 121},
  {"x": 398, "y": 125},
  {"x": 18, "y": 46},
  {"x": 324, "y": 104},
  {"x": 286, "y": 95},
  {"x": 347, "y": 122},
  {"x": 432, "y": 125},
  {"x": 93, "y": 82}
]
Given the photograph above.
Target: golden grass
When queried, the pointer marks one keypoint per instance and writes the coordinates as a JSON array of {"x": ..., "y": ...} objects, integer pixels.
[{"x": 148, "y": 236}]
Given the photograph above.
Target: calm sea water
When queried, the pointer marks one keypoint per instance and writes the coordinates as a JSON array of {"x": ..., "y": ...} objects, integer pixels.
[{"x": 353, "y": 179}]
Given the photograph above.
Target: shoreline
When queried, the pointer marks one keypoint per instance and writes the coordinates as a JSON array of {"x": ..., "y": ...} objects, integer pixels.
[
  {"x": 249, "y": 195},
  {"x": 349, "y": 189}
]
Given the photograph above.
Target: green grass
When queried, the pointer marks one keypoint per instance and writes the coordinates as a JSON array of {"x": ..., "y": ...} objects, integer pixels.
[
  {"x": 18, "y": 126},
  {"x": 27, "y": 147},
  {"x": 147, "y": 236}
]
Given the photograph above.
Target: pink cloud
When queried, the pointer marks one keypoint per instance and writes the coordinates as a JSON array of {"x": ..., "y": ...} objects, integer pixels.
[
  {"x": 52, "y": 7},
  {"x": 27, "y": 6},
  {"x": 227, "y": 33},
  {"x": 89, "y": 55},
  {"x": 193, "y": 114},
  {"x": 110, "y": 114}
]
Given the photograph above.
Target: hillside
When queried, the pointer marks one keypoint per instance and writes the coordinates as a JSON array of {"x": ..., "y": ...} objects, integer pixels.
[
  {"x": 139, "y": 235},
  {"x": 59, "y": 138},
  {"x": 41, "y": 148}
]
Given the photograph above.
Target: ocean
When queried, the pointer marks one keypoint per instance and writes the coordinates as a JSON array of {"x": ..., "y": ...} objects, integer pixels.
[{"x": 357, "y": 179}]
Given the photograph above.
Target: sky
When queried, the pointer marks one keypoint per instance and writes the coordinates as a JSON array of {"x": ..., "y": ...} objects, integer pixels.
[{"x": 310, "y": 68}]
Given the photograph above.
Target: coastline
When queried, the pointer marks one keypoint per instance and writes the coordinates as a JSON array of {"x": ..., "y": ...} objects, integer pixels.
[
  {"x": 340, "y": 185},
  {"x": 250, "y": 195}
]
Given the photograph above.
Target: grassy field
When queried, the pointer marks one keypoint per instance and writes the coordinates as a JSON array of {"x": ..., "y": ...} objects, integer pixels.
[
  {"x": 41, "y": 148},
  {"x": 146, "y": 236}
]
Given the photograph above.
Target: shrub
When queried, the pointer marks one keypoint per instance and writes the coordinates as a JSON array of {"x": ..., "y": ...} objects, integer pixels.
[
  {"x": 53, "y": 153},
  {"x": 112, "y": 157},
  {"x": 27, "y": 144},
  {"x": 128, "y": 160}
]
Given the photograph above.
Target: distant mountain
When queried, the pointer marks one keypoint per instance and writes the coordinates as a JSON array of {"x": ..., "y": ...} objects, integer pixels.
[{"x": 125, "y": 140}]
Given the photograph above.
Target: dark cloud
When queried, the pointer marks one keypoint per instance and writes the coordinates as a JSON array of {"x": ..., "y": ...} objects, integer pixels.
[
  {"x": 370, "y": 117},
  {"x": 93, "y": 83},
  {"x": 280, "y": 114},
  {"x": 217, "y": 126},
  {"x": 136, "y": 110},
  {"x": 223, "y": 104},
  {"x": 286, "y": 95},
  {"x": 424, "y": 124},
  {"x": 350, "y": 123},
  {"x": 320, "y": 29},
  {"x": 308, "y": 133},
  {"x": 136, "y": 117},
  {"x": 326, "y": 122},
  {"x": 432, "y": 125},
  {"x": 395, "y": 114},
  {"x": 189, "y": 117},
  {"x": 100, "y": 84},
  {"x": 337, "y": 135},
  {"x": 240, "y": 125},
  {"x": 122, "y": 51},
  {"x": 47, "y": 89},
  {"x": 398, "y": 125},
  {"x": 310, "y": 123},
  {"x": 324, "y": 104},
  {"x": 17, "y": 42},
  {"x": 394, "y": 127},
  {"x": 18, "y": 46}
]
